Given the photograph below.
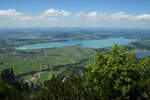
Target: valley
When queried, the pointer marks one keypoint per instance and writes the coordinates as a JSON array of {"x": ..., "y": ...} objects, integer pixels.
[{"x": 60, "y": 52}]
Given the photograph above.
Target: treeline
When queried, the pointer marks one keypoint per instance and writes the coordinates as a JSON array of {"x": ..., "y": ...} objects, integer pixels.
[{"x": 115, "y": 76}]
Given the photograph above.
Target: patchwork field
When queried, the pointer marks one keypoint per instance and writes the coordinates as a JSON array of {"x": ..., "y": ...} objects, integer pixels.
[{"x": 49, "y": 61}]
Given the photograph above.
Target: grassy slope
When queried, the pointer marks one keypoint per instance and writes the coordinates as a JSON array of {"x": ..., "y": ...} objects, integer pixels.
[{"x": 54, "y": 57}]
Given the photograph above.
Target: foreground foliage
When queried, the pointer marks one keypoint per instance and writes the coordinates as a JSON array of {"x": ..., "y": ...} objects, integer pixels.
[
  {"x": 114, "y": 76},
  {"x": 117, "y": 76}
]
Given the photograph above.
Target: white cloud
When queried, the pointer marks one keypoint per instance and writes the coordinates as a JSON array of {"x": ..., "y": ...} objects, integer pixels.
[
  {"x": 80, "y": 14},
  {"x": 65, "y": 13},
  {"x": 10, "y": 12},
  {"x": 52, "y": 19},
  {"x": 120, "y": 15},
  {"x": 144, "y": 16},
  {"x": 25, "y": 18},
  {"x": 53, "y": 12},
  {"x": 93, "y": 15},
  {"x": 50, "y": 12},
  {"x": 67, "y": 18}
]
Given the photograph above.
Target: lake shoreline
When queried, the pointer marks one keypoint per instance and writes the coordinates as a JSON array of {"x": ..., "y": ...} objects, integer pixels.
[{"x": 102, "y": 43}]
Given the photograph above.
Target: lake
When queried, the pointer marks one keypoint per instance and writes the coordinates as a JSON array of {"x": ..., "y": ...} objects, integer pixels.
[
  {"x": 84, "y": 43},
  {"x": 142, "y": 53}
]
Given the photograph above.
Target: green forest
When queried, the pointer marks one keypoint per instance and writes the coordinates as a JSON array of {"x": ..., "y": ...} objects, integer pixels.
[{"x": 117, "y": 75}]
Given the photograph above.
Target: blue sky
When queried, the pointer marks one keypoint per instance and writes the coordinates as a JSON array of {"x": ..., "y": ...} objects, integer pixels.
[
  {"x": 55, "y": 13},
  {"x": 107, "y": 6}
]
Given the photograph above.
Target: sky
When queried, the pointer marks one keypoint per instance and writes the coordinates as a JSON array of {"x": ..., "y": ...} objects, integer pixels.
[{"x": 75, "y": 13}]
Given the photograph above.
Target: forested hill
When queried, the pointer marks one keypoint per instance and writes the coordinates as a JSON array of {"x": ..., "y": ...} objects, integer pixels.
[{"x": 115, "y": 76}]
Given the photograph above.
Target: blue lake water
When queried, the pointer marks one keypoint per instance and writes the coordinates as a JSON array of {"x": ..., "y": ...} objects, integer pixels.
[
  {"x": 84, "y": 43},
  {"x": 142, "y": 53}
]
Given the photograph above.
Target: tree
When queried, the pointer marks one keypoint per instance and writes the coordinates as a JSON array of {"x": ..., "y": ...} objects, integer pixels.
[
  {"x": 8, "y": 75},
  {"x": 56, "y": 89},
  {"x": 11, "y": 88},
  {"x": 9, "y": 92},
  {"x": 115, "y": 76}
]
